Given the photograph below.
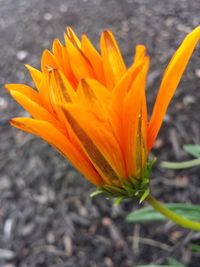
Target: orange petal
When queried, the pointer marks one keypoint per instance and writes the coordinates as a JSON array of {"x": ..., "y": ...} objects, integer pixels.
[
  {"x": 170, "y": 82},
  {"x": 48, "y": 61},
  {"x": 119, "y": 92},
  {"x": 57, "y": 49},
  {"x": 36, "y": 75},
  {"x": 114, "y": 67},
  {"x": 94, "y": 58},
  {"x": 67, "y": 69},
  {"x": 25, "y": 90},
  {"x": 98, "y": 143},
  {"x": 79, "y": 63},
  {"x": 73, "y": 37},
  {"x": 53, "y": 136},
  {"x": 61, "y": 92},
  {"x": 140, "y": 52},
  {"x": 36, "y": 110},
  {"x": 93, "y": 95},
  {"x": 45, "y": 93},
  {"x": 134, "y": 142}
]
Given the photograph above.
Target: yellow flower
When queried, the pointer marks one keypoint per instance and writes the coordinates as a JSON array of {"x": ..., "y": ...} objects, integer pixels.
[{"x": 92, "y": 108}]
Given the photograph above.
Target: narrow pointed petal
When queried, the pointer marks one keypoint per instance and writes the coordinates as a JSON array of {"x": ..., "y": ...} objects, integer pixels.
[
  {"x": 98, "y": 142},
  {"x": 134, "y": 143},
  {"x": 79, "y": 63},
  {"x": 93, "y": 95},
  {"x": 53, "y": 136},
  {"x": 57, "y": 49},
  {"x": 118, "y": 93},
  {"x": 36, "y": 75},
  {"x": 94, "y": 58},
  {"x": 114, "y": 67},
  {"x": 61, "y": 92},
  {"x": 45, "y": 93},
  {"x": 36, "y": 110},
  {"x": 140, "y": 52},
  {"x": 140, "y": 55},
  {"x": 170, "y": 82},
  {"x": 25, "y": 90},
  {"x": 67, "y": 69},
  {"x": 48, "y": 61},
  {"x": 73, "y": 37}
]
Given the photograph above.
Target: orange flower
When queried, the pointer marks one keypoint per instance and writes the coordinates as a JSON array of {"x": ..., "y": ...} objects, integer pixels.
[{"x": 92, "y": 108}]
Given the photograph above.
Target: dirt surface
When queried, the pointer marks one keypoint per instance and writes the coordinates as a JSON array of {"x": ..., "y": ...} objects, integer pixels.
[{"x": 47, "y": 218}]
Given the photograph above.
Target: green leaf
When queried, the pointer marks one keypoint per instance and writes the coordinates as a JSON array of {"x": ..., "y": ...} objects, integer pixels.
[
  {"x": 96, "y": 193},
  {"x": 117, "y": 201},
  {"x": 148, "y": 214},
  {"x": 193, "y": 150},
  {"x": 154, "y": 265},
  {"x": 174, "y": 262},
  {"x": 180, "y": 165},
  {"x": 145, "y": 195},
  {"x": 195, "y": 248}
]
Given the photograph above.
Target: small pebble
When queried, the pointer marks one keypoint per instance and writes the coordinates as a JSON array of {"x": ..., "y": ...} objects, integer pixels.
[
  {"x": 63, "y": 8},
  {"x": 48, "y": 16},
  {"x": 3, "y": 103},
  {"x": 188, "y": 100},
  {"x": 21, "y": 55},
  {"x": 197, "y": 72},
  {"x": 6, "y": 254}
]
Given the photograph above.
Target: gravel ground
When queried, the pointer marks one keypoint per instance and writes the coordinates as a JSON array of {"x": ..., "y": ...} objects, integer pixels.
[{"x": 47, "y": 218}]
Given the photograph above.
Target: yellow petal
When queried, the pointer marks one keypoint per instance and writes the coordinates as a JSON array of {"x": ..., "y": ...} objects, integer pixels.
[
  {"x": 57, "y": 49},
  {"x": 48, "y": 61},
  {"x": 25, "y": 90},
  {"x": 140, "y": 52},
  {"x": 45, "y": 93},
  {"x": 73, "y": 37},
  {"x": 36, "y": 75},
  {"x": 67, "y": 69},
  {"x": 114, "y": 67},
  {"x": 170, "y": 82},
  {"x": 53, "y": 136}
]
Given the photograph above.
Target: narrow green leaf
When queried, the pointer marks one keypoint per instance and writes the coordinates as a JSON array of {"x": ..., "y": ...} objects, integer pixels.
[
  {"x": 117, "y": 201},
  {"x": 154, "y": 265},
  {"x": 193, "y": 150},
  {"x": 174, "y": 262},
  {"x": 148, "y": 214},
  {"x": 96, "y": 193},
  {"x": 180, "y": 165},
  {"x": 195, "y": 248},
  {"x": 146, "y": 193}
]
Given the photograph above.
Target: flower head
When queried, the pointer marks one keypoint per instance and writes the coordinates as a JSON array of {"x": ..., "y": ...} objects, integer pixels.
[{"x": 92, "y": 108}]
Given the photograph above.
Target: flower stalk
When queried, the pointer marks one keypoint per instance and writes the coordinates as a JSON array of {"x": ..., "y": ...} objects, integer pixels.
[{"x": 157, "y": 205}]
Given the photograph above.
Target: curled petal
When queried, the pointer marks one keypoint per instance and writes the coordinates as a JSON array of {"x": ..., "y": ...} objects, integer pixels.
[
  {"x": 170, "y": 82},
  {"x": 114, "y": 67},
  {"x": 53, "y": 136}
]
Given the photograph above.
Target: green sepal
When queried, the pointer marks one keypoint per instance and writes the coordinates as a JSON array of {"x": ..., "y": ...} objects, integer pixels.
[
  {"x": 96, "y": 193},
  {"x": 134, "y": 187}
]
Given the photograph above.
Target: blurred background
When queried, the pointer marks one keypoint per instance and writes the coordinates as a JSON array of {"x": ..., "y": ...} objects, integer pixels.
[{"x": 47, "y": 218}]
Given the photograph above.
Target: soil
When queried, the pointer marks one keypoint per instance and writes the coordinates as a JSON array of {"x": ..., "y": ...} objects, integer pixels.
[{"x": 47, "y": 218}]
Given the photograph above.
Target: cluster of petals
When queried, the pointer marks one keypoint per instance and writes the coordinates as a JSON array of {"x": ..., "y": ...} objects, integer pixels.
[{"x": 92, "y": 108}]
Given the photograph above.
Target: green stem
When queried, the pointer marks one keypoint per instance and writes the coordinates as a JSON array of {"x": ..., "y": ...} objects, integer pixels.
[
  {"x": 180, "y": 165},
  {"x": 172, "y": 215}
]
